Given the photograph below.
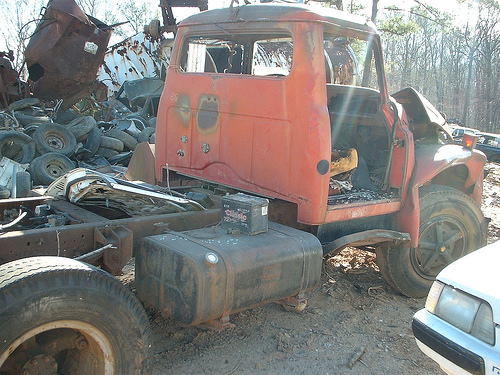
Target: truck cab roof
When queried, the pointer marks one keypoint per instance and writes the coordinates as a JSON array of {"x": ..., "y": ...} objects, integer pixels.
[{"x": 279, "y": 12}]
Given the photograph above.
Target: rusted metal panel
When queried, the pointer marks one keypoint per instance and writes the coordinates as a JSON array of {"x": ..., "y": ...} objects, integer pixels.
[
  {"x": 141, "y": 166},
  {"x": 65, "y": 52},
  {"x": 367, "y": 208},
  {"x": 14, "y": 204},
  {"x": 431, "y": 162},
  {"x": 433, "y": 159},
  {"x": 367, "y": 238},
  {"x": 279, "y": 13},
  {"x": 245, "y": 155},
  {"x": 11, "y": 88}
]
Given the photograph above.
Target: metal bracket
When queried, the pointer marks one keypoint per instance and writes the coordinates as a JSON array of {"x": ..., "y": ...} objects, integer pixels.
[
  {"x": 216, "y": 324},
  {"x": 121, "y": 239},
  {"x": 295, "y": 303}
]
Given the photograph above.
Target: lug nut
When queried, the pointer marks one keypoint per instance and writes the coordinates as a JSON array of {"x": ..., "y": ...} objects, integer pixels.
[{"x": 81, "y": 343}]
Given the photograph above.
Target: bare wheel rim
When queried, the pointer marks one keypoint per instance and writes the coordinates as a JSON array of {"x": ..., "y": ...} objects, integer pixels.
[
  {"x": 55, "y": 169},
  {"x": 65, "y": 346},
  {"x": 55, "y": 141},
  {"x": 442, "y": 241}
]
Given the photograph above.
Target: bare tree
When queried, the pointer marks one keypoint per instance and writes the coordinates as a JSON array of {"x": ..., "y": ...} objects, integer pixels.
[
  {"x": 488, "y": 50},
  {"x": 19, "y": 23},
  {"x": 138, "y": 14},
  {"x": 92, "y": 7}
]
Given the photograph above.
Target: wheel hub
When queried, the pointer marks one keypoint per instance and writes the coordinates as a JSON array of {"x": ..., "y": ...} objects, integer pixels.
[
  {"x": 55, "y": 142},
  {"x": 441, "y": 242}
]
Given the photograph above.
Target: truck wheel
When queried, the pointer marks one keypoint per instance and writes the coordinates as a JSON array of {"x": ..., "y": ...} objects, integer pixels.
[
  {"x": 54, "y": 138},
  {"x": 61, "y": 316},
  {"x": 450, "y": 227},
  {"x": 48, "y": 167}
]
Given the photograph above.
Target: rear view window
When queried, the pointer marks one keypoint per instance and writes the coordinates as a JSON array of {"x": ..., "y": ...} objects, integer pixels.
[
  {"x": 272, "y": 57},
  {"x": 256, "y": 56},
  {"x": 213, "y": 56}
]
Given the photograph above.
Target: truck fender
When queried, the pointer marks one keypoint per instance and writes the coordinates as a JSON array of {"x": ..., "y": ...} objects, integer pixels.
[
  {"x": 430, "y": 162},
  {"x": 366, "y": 238}
]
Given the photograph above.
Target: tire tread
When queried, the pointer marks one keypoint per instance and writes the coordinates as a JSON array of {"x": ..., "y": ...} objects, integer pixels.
[
  {"x": 390, "y": 260},
  {"x": 31, "y": 278}
]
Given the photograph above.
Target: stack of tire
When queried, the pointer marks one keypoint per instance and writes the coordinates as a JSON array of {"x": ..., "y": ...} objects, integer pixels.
[{"x": 52, "y": 149}]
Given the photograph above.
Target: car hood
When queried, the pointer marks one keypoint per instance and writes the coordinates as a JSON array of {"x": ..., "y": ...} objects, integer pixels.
[
  {"x": 478, "y": 274},
  {"x": 418, "y": 107}
]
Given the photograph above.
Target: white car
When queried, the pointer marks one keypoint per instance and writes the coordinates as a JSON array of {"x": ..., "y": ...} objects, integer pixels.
[{"x": 459, "y": 327}]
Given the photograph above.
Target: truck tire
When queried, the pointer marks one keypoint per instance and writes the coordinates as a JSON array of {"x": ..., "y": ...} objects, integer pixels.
[
  {"x": 26, "y": 120},
  {"x": 111, "y": 143},
  {"x": 17, "y": 146},
  {"x": 92, "y": 142},
  {"x": 48, "y": 167},
  {"x": 128, "y": 141},
  {"x": 152, "y": 122},
  {"x": 54, "y": 138},
  {"x": 450, "y": 227},
  {"x": 140, "y": 122},
  {"x": 31, "y": 129},
  {"x": 61, "y": 316},
  {"x": 147, "y": 135},
  {"x": 23, "y": 184},
  {"x": 23, "y": 104},
  {"x": 81, "y": 126},
  {"x": 107, "y": 153}
]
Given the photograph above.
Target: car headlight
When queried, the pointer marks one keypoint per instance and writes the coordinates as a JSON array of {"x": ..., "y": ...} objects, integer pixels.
[{"x": 466, "y": 312}]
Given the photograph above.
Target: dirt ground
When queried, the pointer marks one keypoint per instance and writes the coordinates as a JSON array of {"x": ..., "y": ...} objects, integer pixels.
[{"x": 351, "y": 312}]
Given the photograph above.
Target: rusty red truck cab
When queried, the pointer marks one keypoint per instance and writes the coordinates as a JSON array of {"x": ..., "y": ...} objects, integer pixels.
[{"x": 291, "y": 103}]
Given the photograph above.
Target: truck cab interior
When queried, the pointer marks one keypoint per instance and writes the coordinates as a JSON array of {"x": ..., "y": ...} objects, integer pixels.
[{"x": 359, "y": 133}]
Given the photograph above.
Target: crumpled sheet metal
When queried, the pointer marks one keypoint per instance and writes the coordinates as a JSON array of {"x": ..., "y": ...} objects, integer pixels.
[
  {"x": 65, "y": 51},
  {"x": 134, "y": 58}
]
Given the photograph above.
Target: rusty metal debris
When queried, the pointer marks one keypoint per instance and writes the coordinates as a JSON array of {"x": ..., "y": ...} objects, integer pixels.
[
  {"x": 140, "y": 56},
  {"x": 65, "y": 52},
  {"x": 86, "y": 187},
  {"x": 11, "y": 87},
  {"x": 48, "y": 129},
  {"x": 359, "y": 196}
]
